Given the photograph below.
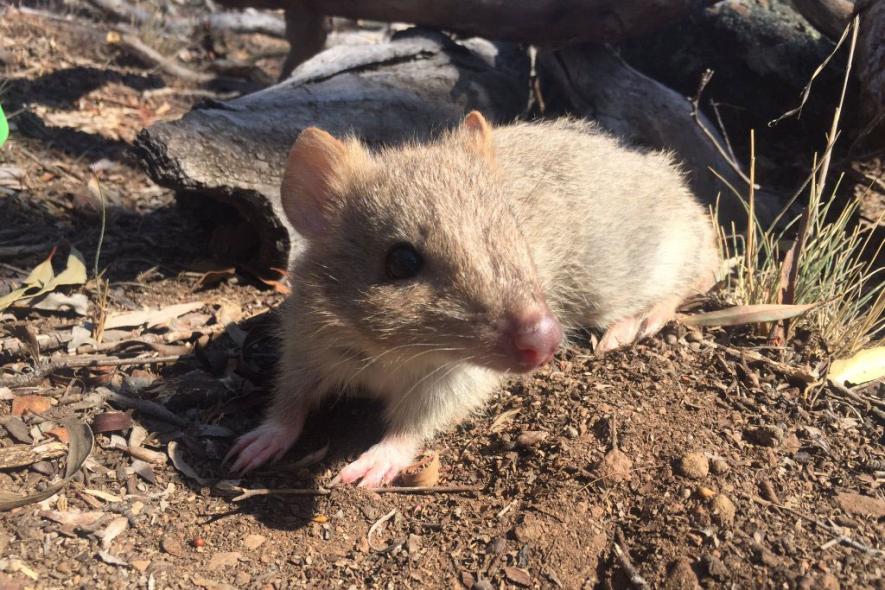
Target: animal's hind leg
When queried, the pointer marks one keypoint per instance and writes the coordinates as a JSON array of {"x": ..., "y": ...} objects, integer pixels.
[{"x": 632, "y": 329}]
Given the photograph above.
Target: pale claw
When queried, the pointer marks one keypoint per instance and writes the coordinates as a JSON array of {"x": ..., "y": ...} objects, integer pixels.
[
  {"x": 381, "y": 463},
  {"x": 268, "y": 442}
]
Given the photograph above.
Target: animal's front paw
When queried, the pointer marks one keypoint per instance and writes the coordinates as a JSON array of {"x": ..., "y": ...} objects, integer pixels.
[
  {"x": 268, "y": 442},
  {"x": 381, "y": 463}
]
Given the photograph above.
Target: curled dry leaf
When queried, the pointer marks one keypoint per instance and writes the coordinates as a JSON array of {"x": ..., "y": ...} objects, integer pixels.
[
  {"x": 79, "y": 450},
  {"x": 424, "y": 473},
  {"x": 111, "y": 422},
  {"x": 36, "y": 404},
  {"x": 177, "y": 456},
  {"x": 43, "y": 279},
  {"x": 616, "y": 467}
]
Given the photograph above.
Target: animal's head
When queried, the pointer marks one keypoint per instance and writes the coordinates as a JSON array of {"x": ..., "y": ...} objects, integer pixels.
[{"x": 416, "y": 249}]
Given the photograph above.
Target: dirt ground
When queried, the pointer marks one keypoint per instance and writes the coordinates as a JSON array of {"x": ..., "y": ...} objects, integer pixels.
[{"x": 679, "y": 463}]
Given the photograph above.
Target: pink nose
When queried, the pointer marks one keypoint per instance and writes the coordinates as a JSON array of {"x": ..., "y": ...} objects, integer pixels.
[{"x": 534, "y": 336}]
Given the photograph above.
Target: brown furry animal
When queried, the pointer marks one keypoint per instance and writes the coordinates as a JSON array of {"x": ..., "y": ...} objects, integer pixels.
[{"x": 431, "y": 271}]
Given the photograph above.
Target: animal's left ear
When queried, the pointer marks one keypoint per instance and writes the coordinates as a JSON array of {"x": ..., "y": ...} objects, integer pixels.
[{"x": 478, "y": 134}]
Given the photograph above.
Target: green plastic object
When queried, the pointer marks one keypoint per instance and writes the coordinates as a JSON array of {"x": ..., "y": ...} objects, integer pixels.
[{"x": 4, "y": 128}]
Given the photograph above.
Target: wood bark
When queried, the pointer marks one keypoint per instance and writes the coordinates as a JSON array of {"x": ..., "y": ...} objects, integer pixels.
[
  {"x": 590, "y": 81},
  {"x": 871, "y": 70},
  {"x": 830, "y": 17},
  {"x": 411, "y": 87},
  {"x": 531, "y": 21}
]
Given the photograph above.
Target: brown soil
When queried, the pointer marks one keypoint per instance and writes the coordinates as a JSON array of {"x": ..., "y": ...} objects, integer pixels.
[{"x": 785, "y": 491}]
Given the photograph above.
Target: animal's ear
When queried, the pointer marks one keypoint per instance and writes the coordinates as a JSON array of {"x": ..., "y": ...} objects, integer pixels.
[
  {"x": 478, "y": 134},
  {"x": 313, "y": 181}
]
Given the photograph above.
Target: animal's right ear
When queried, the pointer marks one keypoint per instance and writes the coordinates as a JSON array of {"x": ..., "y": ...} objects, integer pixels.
[{"x": 313, "y": 181}]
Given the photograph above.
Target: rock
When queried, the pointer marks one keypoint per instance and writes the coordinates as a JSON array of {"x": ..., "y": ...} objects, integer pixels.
[
  {"x": 828, "y": 582},
  {"x": 719, "y": 466},
  {"x": 496, "y": 546},
  {"x": 723, "y": 509},
  {"x": 715, "y": 567},
  {"x": 172, "y": 545},
  {"x": 861, "y": 505},
  {"x": 616, "y": 467},
  {"x": 705, "y": 493},
  {"x": 413, "y": 544},
  {"x": 765, "y": 436},
  {"x": 467, "y": 579},
  {"x": 243, "y": 579},
  {"x": 140, "y": 564},
  {"x": 571, "y": 432},
  {"x": 518, "y": 576},
  {"x": 252, "y": 542},
  {"x": 680, "y": 576},
  {"x": 694, "y": 465},
  {"x": 531, "y": 438},
  {"x": 223, "y": 559},
  {"x": 483, "y": 585}
]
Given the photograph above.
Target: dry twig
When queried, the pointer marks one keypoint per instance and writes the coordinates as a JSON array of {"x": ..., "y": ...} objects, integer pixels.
[{"x": 620, "y": 549}]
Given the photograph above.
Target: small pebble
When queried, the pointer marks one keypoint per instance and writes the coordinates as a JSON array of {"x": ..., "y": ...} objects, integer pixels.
[
  {"x": 705, "y": 492},
  {"x": 765, "y": 436},
  {"x": 723, "y": 509},
  {"x": 680, "y": 576},
  {"x": 172, "y": 545},
  {"x": 483, "y": 585},
  {"x": 716, "y": 569},
  {"x": 694, "y": 465},
  {"x": 719, "y": 466},
  {"x": 531, "y": 438},
  {"x": 571, "y": 432},
  {"x": 518, "y": 576}
]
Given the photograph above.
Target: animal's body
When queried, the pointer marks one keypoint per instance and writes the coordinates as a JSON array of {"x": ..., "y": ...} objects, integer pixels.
[{"x": 432, "y": 271}]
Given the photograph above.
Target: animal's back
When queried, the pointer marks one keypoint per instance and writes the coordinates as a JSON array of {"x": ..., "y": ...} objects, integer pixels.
[{"x": 611, "y": 228}]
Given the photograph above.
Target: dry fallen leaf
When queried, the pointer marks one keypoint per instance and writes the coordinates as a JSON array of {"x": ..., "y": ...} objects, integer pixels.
[
  {"x": 866, "y": 365},
  {"x": 747, "y": 314},
  {"x": 150, "y": 317}
]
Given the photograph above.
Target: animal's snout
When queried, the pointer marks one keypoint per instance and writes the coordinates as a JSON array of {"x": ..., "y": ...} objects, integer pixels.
[{"x": 533, "y": 337}]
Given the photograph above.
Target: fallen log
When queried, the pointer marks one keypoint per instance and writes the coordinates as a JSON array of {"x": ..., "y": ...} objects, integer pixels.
[
  {"x": 591, "y": 81},
  {"x": 410, "y": 87},
  {"x": 871, "y": 70},
  {"x": 763, "y": 55},
  {"x": 526, "y": 21},
  {"x": 830, "y": 17},
  {"x": 529, "y": 21}
]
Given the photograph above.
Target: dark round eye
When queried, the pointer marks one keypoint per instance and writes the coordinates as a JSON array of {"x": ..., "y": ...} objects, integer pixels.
[{"x": 403, "y": 262}]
